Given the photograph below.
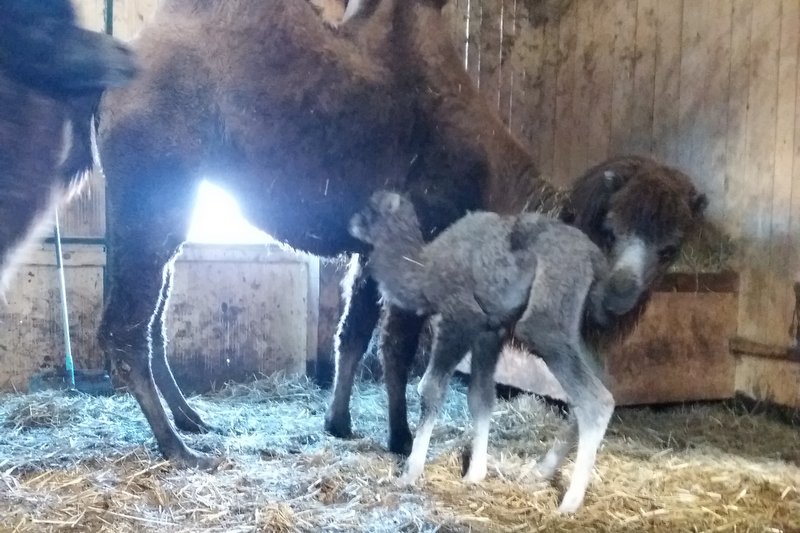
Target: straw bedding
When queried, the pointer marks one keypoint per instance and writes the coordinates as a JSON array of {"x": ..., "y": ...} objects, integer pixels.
[{"x": 77, "y": 463}]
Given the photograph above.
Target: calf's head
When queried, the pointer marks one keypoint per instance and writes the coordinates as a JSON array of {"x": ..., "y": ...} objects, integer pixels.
[
  {"x": 638, "y": 211},
  {"x": 41, "y": 47},
  {"x": 387, "y": 215}
]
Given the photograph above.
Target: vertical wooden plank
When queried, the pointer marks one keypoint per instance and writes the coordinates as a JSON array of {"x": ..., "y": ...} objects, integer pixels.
[
  {"x": 565, "y": 93},
  {"x": 91, "y": 13},
  {"x": 526, "y": 63},
  {"x": 472, "y": 49},
  {"x": 548, "y": 88},
  {"x": 692, "y": 116},
  {"x": 578, "y": 119},
  {"x": 736, "y": 182},
  {"x": 716, "y": 39},
  {"x": 794, "y": 204},
  {"x": 704, "y": 91},
  {"x": 759, "y": 170},
  {"x": 782, "y": 304},
  {"x": 85, "y": 216},
  {"x": 506, "y": 74},
  {"x": 640, "y": 128},
  {"x": 602, "y": 81},
  {"x": 666, "y": 120},
  {"x": 490, "y": 50},
  {"x": 624, "y": 60}
]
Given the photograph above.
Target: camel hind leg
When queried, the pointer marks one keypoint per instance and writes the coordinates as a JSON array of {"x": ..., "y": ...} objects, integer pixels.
[
  {"x": 150, "y": 194},
  {"x": 184, "y": 416}
]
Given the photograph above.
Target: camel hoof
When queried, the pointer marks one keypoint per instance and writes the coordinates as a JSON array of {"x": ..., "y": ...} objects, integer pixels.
[
  {"x": 338, "y": 426},
  {"x": 196, "y": 460},
  {"x": 400, "y": 443},
  {"x": 194, "y": 425}
]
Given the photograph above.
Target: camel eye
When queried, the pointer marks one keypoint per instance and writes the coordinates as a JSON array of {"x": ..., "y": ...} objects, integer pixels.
[
  {"x": 667, "y": 253},
  {"x": 608, "y": 236}
]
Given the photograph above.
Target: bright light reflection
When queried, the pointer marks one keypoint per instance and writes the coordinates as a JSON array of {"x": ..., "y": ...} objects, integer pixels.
[{"x": 217, "y": 219}]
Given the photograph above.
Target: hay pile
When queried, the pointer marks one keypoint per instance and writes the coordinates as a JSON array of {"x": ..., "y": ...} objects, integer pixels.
[{"x": 89, "y": 464}]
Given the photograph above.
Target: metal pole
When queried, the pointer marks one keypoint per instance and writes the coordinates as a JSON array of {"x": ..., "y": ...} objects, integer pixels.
[{"x": 68, "y": 363}]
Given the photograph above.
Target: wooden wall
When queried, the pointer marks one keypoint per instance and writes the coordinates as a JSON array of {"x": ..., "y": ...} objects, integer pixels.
[{"x": 710, "y": 86}]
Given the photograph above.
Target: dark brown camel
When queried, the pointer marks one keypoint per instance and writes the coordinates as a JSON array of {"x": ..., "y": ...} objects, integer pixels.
[
  {"x": 47, "y": 67},
  {"x": 301, "y": 121}
]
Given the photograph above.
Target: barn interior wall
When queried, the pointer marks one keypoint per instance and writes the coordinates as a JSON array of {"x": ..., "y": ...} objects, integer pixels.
[{"x": 709, "y": 86}]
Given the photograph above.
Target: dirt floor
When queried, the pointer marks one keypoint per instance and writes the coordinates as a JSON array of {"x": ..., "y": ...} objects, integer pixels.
[{"x": 89, "y": 464}]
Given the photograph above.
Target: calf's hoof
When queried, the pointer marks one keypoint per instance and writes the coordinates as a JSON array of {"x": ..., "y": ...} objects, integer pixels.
[
  {"x": 570, "y": 507},
  {"x": 545, "y": 470},
  {"x": 572, "y": 501},
  {"x": 338, "y": 426},
  {"x": 408, "y": 479},
  {"x": 475, "y": 474}
]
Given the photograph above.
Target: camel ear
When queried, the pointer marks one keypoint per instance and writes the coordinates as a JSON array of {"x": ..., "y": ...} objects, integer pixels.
[
  {"x": 612, "y": 181},
  {"x": 698, "y": 204},
  {"x": 356, "y": 227},
  {"x": 390, "y": 202}
]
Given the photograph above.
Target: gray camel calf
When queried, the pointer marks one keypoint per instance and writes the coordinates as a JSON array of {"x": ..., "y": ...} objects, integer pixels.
[{"x": 490, "y": 279}]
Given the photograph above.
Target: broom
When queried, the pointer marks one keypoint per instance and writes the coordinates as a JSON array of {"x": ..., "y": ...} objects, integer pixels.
[{"x": 95, "y": 382}]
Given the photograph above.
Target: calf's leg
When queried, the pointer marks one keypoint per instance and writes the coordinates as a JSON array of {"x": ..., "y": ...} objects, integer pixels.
[
  {"x": 451, "y": 343},
  {"x": 485, "y": 353},
  {"x": 554, "y": 458},
  {"x": 356, "y": 325},
  {"x": 590, "y": 401}
]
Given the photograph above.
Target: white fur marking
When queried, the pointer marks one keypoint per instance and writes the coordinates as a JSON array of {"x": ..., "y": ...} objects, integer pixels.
[
  {"x": 479, "y": 457},
  {"x": 419, "y": 450},
  {"x": 588, "y": 443},
  {"x": 632, "y": 258},
  {"x": 66, "y": 142},
  {"x": 352, "y": 9}
]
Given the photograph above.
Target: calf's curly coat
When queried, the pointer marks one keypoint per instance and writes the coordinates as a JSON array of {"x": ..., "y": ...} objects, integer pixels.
[{"x": 489, "y": 279}]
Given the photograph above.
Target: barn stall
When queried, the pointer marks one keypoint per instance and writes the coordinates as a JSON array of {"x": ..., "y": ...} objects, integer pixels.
[{"x": 708, "y": 86}]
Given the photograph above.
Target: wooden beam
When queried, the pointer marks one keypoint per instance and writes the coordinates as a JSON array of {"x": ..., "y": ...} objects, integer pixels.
[
  {"x": 725, "y": 281},
  {"x": 742, "y": 346}
]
